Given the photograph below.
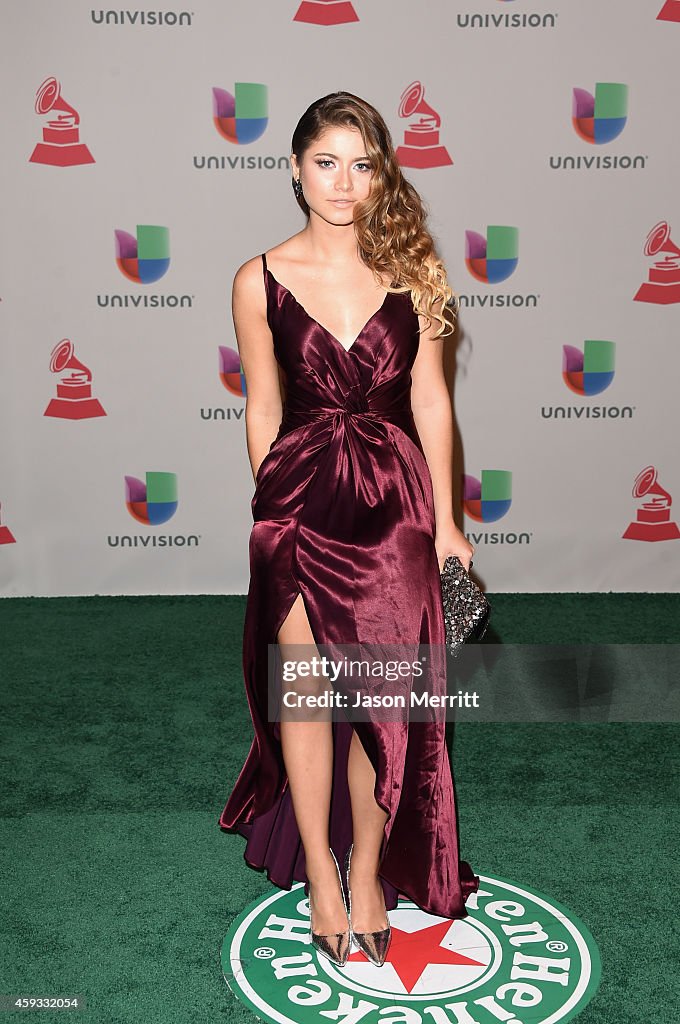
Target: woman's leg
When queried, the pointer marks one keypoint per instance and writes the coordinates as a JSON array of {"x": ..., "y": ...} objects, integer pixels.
[
  {"x": 307, "y": 748},
  {"x": 368, "y": 824}
]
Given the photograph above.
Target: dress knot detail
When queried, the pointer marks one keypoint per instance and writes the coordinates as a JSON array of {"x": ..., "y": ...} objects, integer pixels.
[{"x": 355, "y": 400}]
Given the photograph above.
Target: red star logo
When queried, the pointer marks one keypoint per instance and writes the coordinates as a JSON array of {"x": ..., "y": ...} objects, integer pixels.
[{"x": 411, "y": 952}]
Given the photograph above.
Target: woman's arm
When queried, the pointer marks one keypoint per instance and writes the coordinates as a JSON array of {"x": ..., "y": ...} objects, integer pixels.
[
  {"x": 433, "y": 415},
  {"x": 264, "y": 404}
]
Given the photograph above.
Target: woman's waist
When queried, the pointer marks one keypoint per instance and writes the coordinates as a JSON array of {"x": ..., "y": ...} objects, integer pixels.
[{"x": 295, "y": 416}]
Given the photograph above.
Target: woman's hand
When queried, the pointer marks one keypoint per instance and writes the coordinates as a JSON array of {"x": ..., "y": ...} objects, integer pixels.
[{"x": 450, "y": 541}]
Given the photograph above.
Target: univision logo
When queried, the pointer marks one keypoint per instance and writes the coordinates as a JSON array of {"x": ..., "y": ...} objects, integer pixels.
[
  {"x": 598, "y": 118},
  {"x": 492, "y": 259},
  {"x": 601, "y": 117},
  {"x": 149, "y": 19},
  {"x": 143, "y": 259},
  {"x": 231, "y": 371},
  {"x": 588, "y": 372},
  {"x": 234, "y": 380},
  {"x": 490, "y": 498},
  {"x": 487, "y": 500},
  {"x": 152, "y": 502},
  {"x": 241, "y": 118},
  {"x": 518, "y": 19}
]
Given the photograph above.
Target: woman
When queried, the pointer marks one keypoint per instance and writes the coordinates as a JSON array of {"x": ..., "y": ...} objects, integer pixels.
[{"x": 352, "y": 523}]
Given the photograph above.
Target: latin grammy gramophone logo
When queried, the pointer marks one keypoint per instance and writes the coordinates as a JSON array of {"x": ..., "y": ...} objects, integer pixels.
[
  {"x": 61, "y": 145},
  {"x": 421, "y": 146},
  {"x": 6, "y": 535},
  {"x": 653, "y": 521},
  {"x": 326, "y": 12},
  {"x": 670, "y": 11},
  {"x": 74, "y": 399},
  {"x": 231, "y": 371},
  {"x": 663, "y": 284}
]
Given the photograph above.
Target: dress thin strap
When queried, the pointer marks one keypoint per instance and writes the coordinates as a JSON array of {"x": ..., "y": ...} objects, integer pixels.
[{"x": 266, "y": 277}]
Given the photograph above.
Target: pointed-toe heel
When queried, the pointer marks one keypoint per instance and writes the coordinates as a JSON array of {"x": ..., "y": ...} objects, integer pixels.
[
  {"x": 336, "y": 945},
  {"x": 373, "y": 944}
]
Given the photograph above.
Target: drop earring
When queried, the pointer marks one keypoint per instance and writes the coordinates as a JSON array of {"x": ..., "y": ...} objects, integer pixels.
[{"x": 297, "y": 188}]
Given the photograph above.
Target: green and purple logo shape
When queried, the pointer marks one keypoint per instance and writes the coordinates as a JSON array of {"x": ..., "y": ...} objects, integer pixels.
[
  {"x": 231, "y": 371},
  {"x": 517, "y": 955},
  {"x": 242, "y": 116},
  {"x": 494, "y": 258},
  {"x": 151, "y": 501},
  {"x": 488, "y": 499},
  {"x": 590, "y": 371},
  {"x": 600, "y": 118},
  {"x": 145, "y": 258}
]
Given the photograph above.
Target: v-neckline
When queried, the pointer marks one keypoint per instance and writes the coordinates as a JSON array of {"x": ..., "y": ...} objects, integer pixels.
[{"x": 325, "y": 329}]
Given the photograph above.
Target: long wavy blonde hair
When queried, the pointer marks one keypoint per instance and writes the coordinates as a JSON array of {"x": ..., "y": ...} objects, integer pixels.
[{"x": 390, "y": 224}]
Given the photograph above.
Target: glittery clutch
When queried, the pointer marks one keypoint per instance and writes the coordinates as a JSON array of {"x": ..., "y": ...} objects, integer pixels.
[{"x": 466, "y": 609}]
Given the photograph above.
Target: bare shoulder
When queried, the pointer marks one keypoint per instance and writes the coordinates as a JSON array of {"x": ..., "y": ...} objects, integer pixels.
[{"x": 248, "y": 277}]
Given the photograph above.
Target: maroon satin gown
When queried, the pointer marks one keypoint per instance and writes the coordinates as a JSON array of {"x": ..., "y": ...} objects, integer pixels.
[{"x": 343, "y": 511}]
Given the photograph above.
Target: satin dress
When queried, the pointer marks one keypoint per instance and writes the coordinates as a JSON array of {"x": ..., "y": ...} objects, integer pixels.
[{"x": 343, "y": 512}]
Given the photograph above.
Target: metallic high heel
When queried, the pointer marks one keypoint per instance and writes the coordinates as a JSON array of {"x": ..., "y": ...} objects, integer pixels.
[
  {"x": 336, "y": 945},
  {"x": 373, "y": 944}
]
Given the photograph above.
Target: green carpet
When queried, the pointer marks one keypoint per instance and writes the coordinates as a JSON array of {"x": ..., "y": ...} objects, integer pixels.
[{"x": 124, "y": 725}]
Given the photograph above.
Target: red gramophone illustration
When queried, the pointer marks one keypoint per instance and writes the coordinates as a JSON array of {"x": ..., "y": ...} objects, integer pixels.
[
  {"x": 326, "y": 12},
  {"x": 653, "y": 517},
  {"x": 421, "y": 139},
  {"x": 6, "y": 536},
  {"x": 663, "y": 286},
  {"x": 61, "y": 145},
  {"x": 74, "y": 399},
  {"x": 670, "y": 11}
]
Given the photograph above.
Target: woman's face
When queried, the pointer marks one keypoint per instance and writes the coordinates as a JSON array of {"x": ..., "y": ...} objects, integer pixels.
[{"x": 335, "y": 173}]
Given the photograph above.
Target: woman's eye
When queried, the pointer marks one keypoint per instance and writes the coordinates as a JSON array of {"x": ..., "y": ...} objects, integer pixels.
[{"x": 362, "y": 166}]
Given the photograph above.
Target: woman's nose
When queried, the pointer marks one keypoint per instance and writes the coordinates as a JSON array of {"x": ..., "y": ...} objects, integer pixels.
[{"x": 344, "y": 181}]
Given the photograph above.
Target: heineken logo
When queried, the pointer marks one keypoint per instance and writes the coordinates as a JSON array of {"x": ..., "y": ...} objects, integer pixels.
[{"x": 519, "y": 957}]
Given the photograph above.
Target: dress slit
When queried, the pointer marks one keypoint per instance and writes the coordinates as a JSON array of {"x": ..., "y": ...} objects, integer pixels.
[{"x": 340, "y": 811}]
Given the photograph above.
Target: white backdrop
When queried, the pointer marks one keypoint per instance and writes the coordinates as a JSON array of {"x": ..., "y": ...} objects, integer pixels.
[{"x": 500, "y": 78}]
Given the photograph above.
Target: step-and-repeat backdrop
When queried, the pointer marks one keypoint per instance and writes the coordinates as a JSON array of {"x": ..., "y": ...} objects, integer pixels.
[{"x": 147, "y": 157}]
